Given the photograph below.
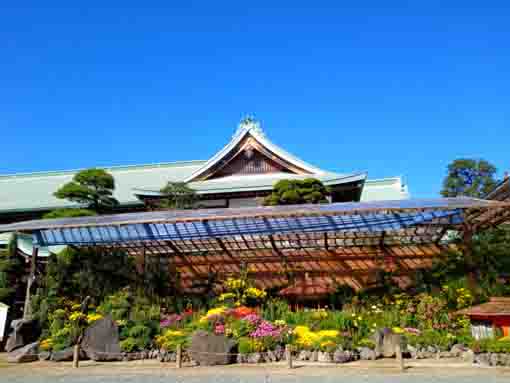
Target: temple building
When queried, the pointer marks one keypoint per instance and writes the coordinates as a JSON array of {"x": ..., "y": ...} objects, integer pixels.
[{"x": 239, "y": 175}]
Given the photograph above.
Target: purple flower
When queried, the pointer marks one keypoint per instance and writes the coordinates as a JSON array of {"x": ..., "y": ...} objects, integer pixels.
[{"x": 170, "y": 320}]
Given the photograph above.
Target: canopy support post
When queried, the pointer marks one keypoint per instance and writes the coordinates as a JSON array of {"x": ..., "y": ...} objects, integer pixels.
[{"x": 27, "y": 311}]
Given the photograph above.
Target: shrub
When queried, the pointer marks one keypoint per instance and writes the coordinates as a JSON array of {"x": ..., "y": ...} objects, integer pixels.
[
  {"x": 171, "y": 338},
  {"x": 249, "y": 345}
]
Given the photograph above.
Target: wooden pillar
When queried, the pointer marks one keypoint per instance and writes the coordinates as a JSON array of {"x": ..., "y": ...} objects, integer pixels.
[{"x": 27, "y": 311}]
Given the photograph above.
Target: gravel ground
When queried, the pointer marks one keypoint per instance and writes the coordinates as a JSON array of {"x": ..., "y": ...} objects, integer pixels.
[{"x": 383, "y": 371}]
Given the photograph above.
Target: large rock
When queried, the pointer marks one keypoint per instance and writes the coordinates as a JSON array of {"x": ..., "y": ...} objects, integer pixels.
[
  {"x": 101, "y": 340},
  {"x": 386, "y": 342},
  {"x": 341, "y": 356},
  {"x": 66, "y": 355},
  {"x": 23, "y": 332},
  {"x": 366, "y": 353},
  {"x": 28, "y": 353},
  {"x": 210, "y": 349}
]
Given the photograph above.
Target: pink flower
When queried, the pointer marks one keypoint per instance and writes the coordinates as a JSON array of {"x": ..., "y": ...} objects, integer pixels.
[
  {"x": 253, "y": 319},
  {"x": 219, "y": 329},
  {"x": 265, "y": 329}
]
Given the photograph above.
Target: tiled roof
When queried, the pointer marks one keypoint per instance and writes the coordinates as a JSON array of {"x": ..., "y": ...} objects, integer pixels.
[
  {"x": 34, "y": 191},
  {"x": 495, "y": 307}
]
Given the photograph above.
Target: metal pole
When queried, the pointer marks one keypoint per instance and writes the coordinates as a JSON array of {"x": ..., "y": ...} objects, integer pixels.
[{"x": 27, "y": 311}]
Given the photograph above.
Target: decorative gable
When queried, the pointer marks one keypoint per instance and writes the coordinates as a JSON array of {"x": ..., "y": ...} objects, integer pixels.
[{"x": 250, "y": 152}]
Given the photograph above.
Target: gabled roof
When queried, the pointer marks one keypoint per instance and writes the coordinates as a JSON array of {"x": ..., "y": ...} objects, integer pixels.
[
  {"x": 496, "y": 306},
  {"x": 250, "y": 128}
]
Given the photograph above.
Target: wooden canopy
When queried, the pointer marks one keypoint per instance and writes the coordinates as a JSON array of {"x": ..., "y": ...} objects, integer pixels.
[{"x": 343, "y": 243}]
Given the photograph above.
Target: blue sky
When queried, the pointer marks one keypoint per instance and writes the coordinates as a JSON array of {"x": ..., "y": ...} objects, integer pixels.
[{"x": 349, "y": 86}]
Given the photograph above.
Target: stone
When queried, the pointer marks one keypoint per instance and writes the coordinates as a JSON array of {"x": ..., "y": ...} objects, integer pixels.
[
  {"x": 161, "y": 355},
  {"x": 210, "y": 349},
  {"x": 241, "y": 358},
  {"x": 304, "y": 355},
  {"x": 483, "y": 359},
  {"x": 324, "y": 357},
  {"x": 23, "y": 332},
  {"x": 254, "y": 358},
  {"x": 457, "y": 350},
  {"x": 366, "y": 353},
  {"x": 315, "y": 356},
  {"x": 271, "y": 356},
  {"x": 44, "y": 355},
  {"x": 279, "y": 352},
  {"x": 494, "y": 359},
  {"x": 26, "y": 354},
  {"x": 431, "y": 349},
  {"x": 66, "y": 355},
  {"x": 341, "y": 356},
  {"x": 101, "y": 338},
  {"x": 104, "y": 356},
  {"x": 468, "y": 356}
]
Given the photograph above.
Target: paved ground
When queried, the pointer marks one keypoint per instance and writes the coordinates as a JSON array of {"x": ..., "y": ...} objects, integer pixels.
[{"x": 382, "y": 371}]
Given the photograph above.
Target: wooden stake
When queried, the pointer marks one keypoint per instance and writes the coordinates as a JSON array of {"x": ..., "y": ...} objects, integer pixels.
[
  {"x": 178, "y": 356},
  {"x": 400, "y": 359},
  {"x": 288, "y": 355},
  {"x": 76, "y": 356}
]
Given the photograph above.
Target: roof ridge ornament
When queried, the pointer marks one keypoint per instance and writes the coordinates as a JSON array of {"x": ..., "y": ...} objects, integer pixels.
[{"x": 249, "y": 123}]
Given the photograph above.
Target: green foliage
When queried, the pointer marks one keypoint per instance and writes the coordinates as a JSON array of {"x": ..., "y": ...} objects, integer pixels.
[
  {"x": 469, "y": 177},
  {"x": 178, "y": 195},
  {"x": 274, "y": 309},
  {"x": 171, "y": 338},
  {"x": 442, "y": 339},
  {"x": 291, "y": 192},
  {"x": 69, "y": 213},
  {"x": 91, "y": 187},
  {"x": 248, "y": 345},
  {"x": 11, "y": 272},
  {"x": 129, "y": 345},
  {"x": 491, "y": 345}
]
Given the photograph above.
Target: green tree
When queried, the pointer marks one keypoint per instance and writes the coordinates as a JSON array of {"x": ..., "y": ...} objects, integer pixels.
[
  {"x": 11, "y": 272},
  {"x": 91, "y": 187},
  {"x": 178, "y": 195},
  {"x": 291, "y": 192},
  {"x": 69, "y": 213},
  {"x": 470, "y": 178}
]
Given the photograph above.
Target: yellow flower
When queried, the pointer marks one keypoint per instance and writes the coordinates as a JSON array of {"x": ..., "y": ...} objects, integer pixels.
[
  {"x": 397, "y": 330},
  {"x": 93, "y": 317},
  {"x": 76, "y": 316},
  {"x": 213, "y": 312},
  {"x": 328, "y": 333}
]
